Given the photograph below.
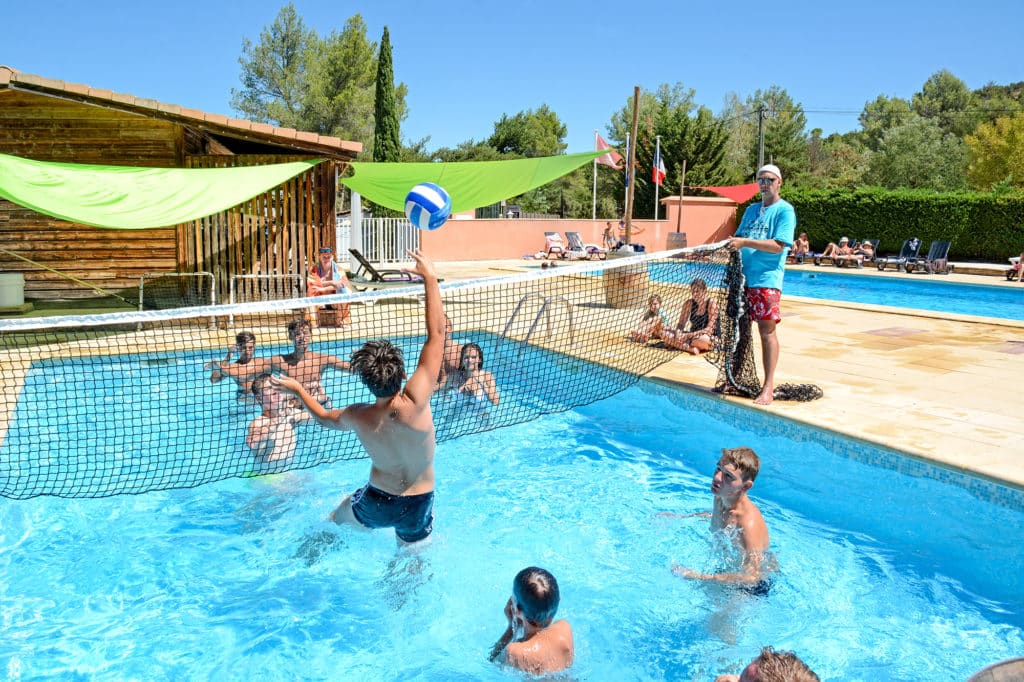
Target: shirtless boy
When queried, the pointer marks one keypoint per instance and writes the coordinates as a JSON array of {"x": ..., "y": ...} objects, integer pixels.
[
  {"x": 272, "y": 434},
  {"x": 397, "y": 429},
  {"x": 534, "y": 641},
  {"x": 736, "y": 514},
  {"x": 304, "y": 365},
  {"x": 244, "y": 369}
]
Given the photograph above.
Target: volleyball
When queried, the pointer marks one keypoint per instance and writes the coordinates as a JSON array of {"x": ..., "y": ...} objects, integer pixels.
[{"x": 427, "y": 206}]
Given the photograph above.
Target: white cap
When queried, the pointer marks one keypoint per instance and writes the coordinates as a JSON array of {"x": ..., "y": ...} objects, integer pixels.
[
  {"x": 769, "y": 168},
  {"x": 844, "y": 239}
]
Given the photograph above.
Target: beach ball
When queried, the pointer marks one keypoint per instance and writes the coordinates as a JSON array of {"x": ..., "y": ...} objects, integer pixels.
[{"x": 427, "y": 206}]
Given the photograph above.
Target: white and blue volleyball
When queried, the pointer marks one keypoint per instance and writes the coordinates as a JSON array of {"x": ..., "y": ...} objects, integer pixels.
[{"x": 427, "y": 206}]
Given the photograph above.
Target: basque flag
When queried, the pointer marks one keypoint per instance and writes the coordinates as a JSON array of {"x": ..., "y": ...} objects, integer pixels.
[{"x": 658, "y": 174}]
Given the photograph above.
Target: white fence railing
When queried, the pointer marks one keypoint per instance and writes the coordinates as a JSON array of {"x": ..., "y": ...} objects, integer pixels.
[{"x": 385, "y": 240}]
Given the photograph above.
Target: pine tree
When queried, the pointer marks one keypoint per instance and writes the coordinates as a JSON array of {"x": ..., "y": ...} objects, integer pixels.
[{"x": 387, "y": 145}]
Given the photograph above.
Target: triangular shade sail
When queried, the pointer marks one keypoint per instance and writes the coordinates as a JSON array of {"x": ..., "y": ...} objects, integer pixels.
[
  {"x": 738, "y": 193},
  {"x": 470, "y": 184},
  {"x": 127, "y": 197}
]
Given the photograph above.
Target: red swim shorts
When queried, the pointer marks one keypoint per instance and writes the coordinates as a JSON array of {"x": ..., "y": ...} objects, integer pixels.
[{"x": 764, "y": 304}]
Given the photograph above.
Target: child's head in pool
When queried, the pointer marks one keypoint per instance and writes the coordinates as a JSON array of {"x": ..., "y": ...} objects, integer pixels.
[
  {"x": 381, "y": 367},
  {"x": 536, "y": 594}
]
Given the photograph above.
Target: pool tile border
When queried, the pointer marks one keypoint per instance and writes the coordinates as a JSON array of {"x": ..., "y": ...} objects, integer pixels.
[{"x": 866, "y": 452}]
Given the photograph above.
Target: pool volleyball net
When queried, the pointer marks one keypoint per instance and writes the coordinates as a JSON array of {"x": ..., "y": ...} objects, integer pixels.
[{"x": 117, "y": 403}]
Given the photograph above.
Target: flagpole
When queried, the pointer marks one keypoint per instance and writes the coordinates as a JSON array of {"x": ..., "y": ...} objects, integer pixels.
[
  {"x": 630, "y": 163},
  {"x": 625, "y": 194},
  {"x": 657, "y": 158},
  {"x": 594, "y": 209},
  {"x": 682, "y": 186}
]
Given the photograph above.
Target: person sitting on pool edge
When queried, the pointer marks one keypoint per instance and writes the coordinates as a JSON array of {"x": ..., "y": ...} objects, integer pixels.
[
  {"x": 397, "y": 429},
  {"x": 700, "y": 314},
  {"x": 773, "y": 666},
  {"x": 271, "y": 435},
  {"x": 738, "y": 517},
  {"x": 533, "y": 641},
  {"x": 652, "y": 322}
]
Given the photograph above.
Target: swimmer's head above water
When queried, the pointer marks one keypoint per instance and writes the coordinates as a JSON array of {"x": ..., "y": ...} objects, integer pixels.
[
  {"x": 535, "y": 594},
  {"x": 381, "y": 366},
  {"x": 746, "y": 461}
]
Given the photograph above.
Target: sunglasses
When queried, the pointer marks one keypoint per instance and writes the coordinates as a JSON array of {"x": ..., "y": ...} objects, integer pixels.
[
  {"x": 327, "y": 250},
  {"x": 765, "y": 181}
]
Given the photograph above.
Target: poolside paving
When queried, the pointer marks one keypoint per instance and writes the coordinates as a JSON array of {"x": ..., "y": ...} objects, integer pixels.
[{"x": 944, "y": 388}]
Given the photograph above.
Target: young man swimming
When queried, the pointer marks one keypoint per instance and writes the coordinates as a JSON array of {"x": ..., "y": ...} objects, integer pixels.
[
  {"x": 271, "y": 435},
  {"x": 534, "y": 641},
  {"x": 244, "y": 369},
  {"x": 397, "y": 429},
  {"x": 305, "y": 365},
  {"x": 737, "y": 516}
]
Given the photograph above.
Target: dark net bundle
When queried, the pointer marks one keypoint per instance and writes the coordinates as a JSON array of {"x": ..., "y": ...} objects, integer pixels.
[{"x": 128, "y": 403}]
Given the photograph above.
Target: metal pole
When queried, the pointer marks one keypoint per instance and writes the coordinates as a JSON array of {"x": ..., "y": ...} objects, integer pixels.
[
  {"x": 760, "y": 135},
  {"x": 682, "y": 186},
  {"x": 657, "y": 158},
  {"x": 630, "y": 165}
]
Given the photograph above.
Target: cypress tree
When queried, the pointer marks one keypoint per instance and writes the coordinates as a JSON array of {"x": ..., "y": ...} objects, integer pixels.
[{"x": 386, "y": 142}]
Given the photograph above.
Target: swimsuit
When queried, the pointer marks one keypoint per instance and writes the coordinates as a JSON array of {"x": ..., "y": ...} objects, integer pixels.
[
  {"x": 698, "y": 320},
  {"x": 760, "y": 588},
  {"x": 410, "y": 515}
]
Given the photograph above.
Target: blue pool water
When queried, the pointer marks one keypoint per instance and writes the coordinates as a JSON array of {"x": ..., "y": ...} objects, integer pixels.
[
  {"x": 883, "y": 575},
  {"x": 927, "y": 292}
]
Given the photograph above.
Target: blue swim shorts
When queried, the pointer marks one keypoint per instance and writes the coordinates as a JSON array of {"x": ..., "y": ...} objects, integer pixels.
[{"x": 410, "y": 515}]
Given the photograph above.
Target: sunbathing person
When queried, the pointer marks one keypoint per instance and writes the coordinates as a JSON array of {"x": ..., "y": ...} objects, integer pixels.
[
  {"x": 834, "y": 250},
  {"x": 801, "y": 247},
  {"x": 858, "y": 254},
  {"x": 652, "y": 322},
  {"x": 698, "y": 329}
]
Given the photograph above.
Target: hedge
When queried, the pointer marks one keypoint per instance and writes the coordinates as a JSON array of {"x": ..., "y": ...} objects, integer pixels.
[{"x": 984, "y": 227}]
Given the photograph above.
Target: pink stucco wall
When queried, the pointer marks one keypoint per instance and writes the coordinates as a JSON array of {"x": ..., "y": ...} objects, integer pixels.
[{"x": 704, "y": 220}]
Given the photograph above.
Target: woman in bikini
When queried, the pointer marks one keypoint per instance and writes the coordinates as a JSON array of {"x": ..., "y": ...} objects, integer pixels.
[{"x": 700, "y": 315}]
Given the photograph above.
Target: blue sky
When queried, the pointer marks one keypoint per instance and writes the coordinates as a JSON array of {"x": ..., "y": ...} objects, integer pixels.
[{"x": 467, "y": 63}]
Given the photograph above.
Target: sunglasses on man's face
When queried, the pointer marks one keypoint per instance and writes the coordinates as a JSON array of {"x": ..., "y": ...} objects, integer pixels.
[
  {"x": 765, "y": 181},
  {"x": 325, "y": 251}
]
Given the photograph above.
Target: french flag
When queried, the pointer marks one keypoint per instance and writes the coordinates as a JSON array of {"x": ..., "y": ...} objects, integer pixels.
[{"x": 658, "y": 174}]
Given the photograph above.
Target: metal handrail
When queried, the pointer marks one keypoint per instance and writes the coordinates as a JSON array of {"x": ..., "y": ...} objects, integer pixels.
[{"x": 544, "y": 310}]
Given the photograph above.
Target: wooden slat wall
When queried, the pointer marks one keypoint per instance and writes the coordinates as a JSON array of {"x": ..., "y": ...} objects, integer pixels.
[
  {"x": 275, "y": 233},
  {"x": 246, "y": 240}
]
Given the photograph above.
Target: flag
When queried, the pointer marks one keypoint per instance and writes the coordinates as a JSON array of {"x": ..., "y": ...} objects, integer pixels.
[
  {"x": 612, "y": 158},
  {"x": 658, "y": 174}
]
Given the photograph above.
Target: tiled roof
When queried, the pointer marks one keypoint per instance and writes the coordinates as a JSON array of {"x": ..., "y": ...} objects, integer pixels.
[{"x": 214, "y": 123}]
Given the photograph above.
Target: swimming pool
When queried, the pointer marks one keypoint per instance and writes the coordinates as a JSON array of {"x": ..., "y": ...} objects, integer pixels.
[
  {"x": 884, "y": 575},
  {"x": 926, "y": 293}
]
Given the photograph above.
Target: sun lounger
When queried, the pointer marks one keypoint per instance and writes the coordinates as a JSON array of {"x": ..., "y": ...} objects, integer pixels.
[
  {"x": 579, "y": 250},
  {"x": 369, "y": 277},
  {"x": 937, "y": 260},
  {"x": 553, "y": 245},
  {"x": 908, "y": 251}
]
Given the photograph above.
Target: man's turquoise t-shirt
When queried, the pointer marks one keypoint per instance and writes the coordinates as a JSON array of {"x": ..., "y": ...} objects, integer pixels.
[{"x": 761, "y": 269}]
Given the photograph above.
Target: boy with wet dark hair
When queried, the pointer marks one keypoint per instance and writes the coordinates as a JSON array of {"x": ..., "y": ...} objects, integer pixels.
[
  {"x": 533, "y": 641},
  {"x": 397, "y": 429},
  {"x": 736, "y": 515}
]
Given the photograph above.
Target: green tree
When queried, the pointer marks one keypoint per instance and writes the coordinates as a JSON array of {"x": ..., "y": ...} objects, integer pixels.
[
  {"x": 530, "y": 133},
  {"x": 294, "y": 78},
  {"x": 999, "y": 101},
  {"x": 996, "y": 153},
  {"x": 946, "y": 99},
  {"x": 275, "y": 79},
  {"x": 785, "y": 142},
  {"x": 880, "y": 115},
  {"x": 386, "y": 141},
  {"x": 918, "y": 154}
]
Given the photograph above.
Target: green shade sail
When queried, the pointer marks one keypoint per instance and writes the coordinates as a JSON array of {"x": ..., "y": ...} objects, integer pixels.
[
  {"x": 128, "y": 197},
  {"x": 470, "y": 184}
]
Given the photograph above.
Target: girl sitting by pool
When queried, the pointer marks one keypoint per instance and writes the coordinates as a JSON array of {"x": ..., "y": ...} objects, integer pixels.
[
  {"x": 700, "y": 314},
  {"x": 652, "y": 321}
]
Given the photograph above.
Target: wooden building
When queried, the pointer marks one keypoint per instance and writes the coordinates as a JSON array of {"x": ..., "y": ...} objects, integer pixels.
[{"x": 276, "y": 233}]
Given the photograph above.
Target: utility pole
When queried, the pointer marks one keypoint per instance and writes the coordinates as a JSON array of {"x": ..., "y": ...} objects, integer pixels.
[
  {"x": 630, "y": 162},
  {"x": 761, "y": 115}
]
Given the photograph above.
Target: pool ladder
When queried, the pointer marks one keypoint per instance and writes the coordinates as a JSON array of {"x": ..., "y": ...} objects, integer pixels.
[{"x": 544, "y": 311}]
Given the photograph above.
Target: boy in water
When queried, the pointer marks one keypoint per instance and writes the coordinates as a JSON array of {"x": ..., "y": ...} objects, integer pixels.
[
  {"x": 773, "y": 666},
  {"x": 533, "y": 641},
  {"x": 272, "y": 434},
  {"x": 244, "y": 369},
  {"x": 734, "y": 513},
  {"x": 305, "y": 365},
  {"x": 397, "y": 429}
]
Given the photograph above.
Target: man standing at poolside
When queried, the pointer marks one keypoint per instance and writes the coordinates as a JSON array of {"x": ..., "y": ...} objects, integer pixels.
[
  {"x": 764, "y": 237},
  {"x": 397, "y": 429},
  {"x": 736, "y": 515}
]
